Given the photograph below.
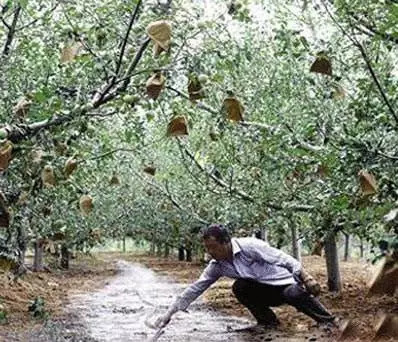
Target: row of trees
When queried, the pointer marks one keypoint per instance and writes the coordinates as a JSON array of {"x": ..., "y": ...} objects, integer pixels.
[{"x": 252, "y": 113}]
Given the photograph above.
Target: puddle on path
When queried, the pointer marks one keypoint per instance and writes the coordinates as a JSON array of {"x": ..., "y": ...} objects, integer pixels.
[{"x": 119, "y": 310}]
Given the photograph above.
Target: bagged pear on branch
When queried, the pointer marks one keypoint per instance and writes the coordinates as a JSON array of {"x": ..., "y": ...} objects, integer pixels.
[
  {"x": 115, "y": 180},
  {"x": 233, "y": 108},
  {"x": 37, "y": 155},
  {"x": 322, "y": 65},
  {"x": 151, "y": 170},
  {"x": 70, "y": 166},
  {"x": 154, "y": 85},
  {"x": 5, "y": 155},
  {"x": 338, "y": 92},
  {"x": 195, "y": 89},
  {"x": 367, "y": 183},
  {"x": 177, "y": 127},
  {"x": 160, "y": 33},
  {"x": 21, "y": 109},
  {"x": 47, "y": 176},
  {"x": 70, "y": 52},
  {"x": 60, "y": 148},
  {"x": 86, "y": 204}
]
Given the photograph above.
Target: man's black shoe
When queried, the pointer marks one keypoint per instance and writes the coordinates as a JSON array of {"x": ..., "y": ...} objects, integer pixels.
[{"x": 259, "y": 327}]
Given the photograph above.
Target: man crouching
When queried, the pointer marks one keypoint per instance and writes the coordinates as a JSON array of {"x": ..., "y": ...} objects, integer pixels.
[{"x": 265, "y": 277}]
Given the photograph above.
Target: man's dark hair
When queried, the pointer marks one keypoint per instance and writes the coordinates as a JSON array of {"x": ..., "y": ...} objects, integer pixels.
[{"x": 218, "y": 231}]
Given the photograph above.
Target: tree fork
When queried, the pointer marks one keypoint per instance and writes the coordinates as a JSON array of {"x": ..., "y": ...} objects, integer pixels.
[{"x": 16, "y": 133}]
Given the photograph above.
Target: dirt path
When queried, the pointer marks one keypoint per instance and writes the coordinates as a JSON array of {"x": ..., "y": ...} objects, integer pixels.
[{"x": 118, "y": 312}]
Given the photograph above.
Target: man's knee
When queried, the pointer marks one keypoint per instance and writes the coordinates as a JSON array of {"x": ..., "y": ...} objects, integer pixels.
[
  {"x": 241, "y": 288},
  {"x": 294, "y": 294}
]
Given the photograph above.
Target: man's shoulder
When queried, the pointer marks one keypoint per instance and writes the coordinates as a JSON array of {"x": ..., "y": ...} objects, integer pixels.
[
  {"x": 250, "y": 241},
  {"x": 212, "y": 268},
  {"x": 212, "y": 264},
  {"x": 245, "y": 239}
]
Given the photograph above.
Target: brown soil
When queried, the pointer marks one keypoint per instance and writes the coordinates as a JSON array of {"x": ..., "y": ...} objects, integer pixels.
[{"x": 86, "y": 274}]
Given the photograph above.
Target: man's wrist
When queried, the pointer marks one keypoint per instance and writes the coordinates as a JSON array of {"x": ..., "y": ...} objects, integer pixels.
[
  {"x": 304, "y": 276},
  {"x": 173, "y": 308},
  {"x": 298, "y": 276}
]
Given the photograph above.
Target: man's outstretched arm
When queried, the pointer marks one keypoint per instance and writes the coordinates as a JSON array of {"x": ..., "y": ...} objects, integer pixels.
[{"x": 209, "y": 276}]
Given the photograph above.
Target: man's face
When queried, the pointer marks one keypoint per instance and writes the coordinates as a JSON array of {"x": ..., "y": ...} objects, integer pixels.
[{"x": 218, "y": 251}]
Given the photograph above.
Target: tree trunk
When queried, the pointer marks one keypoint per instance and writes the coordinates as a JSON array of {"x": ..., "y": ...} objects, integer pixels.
[
  {"x": 296, "y": 247},
  {"x": 11, "y": 31},
  {"x": 264, "y": 233},
  {"x": 166, "y": 250},
  {"x": 21, "y": 241},
  {"x": 153, "y": 246},
  {"x": 361, "y": 249},
  {"x": 159, "y": 250},
  {"x": 57, "y": 252},
  {"x": 346, "y": 246},
  {"x": 332, "y": 263},
  {"x": 280, "y": 242},
  {"x": 65, "y": 256},
  {"x": 124, "y": 243},
  {"x": 188, "y": 249},
  {"x": 181, "y": 253},
  {"x": 189, "y": 254},
  {"x": 261, "y": 234},
  {"x": 38, "y": 257}
]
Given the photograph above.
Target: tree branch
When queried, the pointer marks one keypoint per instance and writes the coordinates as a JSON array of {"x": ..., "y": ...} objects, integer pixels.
[
  {"x": 37, "y": 19},
  {"x": 5, "y": 23},
  {"x": 304, "y": 145},
  {"x": 102, "y": 96},
  {"x": 217, "y": 180},
  {"x": 367, "y": 62},
  {"x": 105, "y": 154},
  {"x": 172, "y": 199},
  {"x": 17, "y": 133},
  {"x": 243, "y": 195},
  {"x": 376, "y": 80},
  {"x": 124, "y": 42},
  {"x": 11, "y": 31},
  {"x": 373, "y": 31}
]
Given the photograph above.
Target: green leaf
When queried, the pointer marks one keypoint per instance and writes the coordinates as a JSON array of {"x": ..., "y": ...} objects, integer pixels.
[{"x": 128, "y": 135}]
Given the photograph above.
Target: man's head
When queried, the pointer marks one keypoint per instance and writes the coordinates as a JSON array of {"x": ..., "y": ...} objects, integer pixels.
[{"x": 217, "y": 242}]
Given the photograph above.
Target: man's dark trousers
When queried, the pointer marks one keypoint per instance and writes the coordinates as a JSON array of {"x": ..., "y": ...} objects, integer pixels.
[{"x": 258, "y": 298}]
